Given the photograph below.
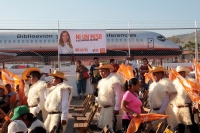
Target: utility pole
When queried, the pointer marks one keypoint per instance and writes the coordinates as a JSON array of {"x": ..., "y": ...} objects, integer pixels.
[
  {"x": 58, "y": 50},
  {"x": 129, "y": 39}
]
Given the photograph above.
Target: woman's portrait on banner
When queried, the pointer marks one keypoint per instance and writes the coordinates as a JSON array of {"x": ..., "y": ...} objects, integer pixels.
[{"x": 65, "y": 45}]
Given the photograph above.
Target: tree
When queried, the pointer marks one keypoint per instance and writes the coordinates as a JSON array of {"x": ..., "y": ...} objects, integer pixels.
[
  {"x": 191, "y": 47},
  {"x": 175, "y": 39}
]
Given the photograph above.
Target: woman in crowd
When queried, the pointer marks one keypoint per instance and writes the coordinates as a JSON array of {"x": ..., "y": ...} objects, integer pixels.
[
  {"x": 144, "y": 69},
  {"x": 131, "y": 104},
  {"x": 80, "y": 80},
  {"x": 65, "y": 45}
]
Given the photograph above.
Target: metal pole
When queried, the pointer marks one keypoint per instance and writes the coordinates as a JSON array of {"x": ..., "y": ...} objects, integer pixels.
[
  {"x": 58, "y": 51},
  {"x": 196, "y": 45},
  {"x": 129, "y": 39}
]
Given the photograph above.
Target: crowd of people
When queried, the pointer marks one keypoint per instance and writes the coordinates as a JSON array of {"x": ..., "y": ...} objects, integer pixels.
[{"x": 48, "y": 103}]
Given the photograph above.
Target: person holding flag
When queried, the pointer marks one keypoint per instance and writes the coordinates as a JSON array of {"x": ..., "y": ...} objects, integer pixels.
[
  {"x": 131, "y": 104},
  {"x": 182, "y": 104},
  {"x": 161, "y": 93}
]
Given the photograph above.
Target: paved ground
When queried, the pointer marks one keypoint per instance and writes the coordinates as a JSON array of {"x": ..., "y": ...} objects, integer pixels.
[{"x": 71, "y": 121}]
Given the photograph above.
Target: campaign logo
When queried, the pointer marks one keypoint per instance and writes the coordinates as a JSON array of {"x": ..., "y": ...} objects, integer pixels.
[
  {"x": 81, "y": 50},
  {"x": 95, "y": 50},
  {"x": 102, "y": 50}
]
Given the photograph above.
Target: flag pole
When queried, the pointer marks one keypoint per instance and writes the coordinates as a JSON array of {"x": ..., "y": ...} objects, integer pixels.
[
  {"x": 128, "y": 39},
  {"x": 196, "y": 45},
  {"x": 58, "y": 50}
]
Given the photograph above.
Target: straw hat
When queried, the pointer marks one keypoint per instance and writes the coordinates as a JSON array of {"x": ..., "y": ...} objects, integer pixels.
[
  {"x": 158, "y": 69},
  {"x": 6, "y": 91},
  {"x": 182, "y": 68},
  {"x": 59, "y": 74},
  {"x": 106, "y": 66},
  {"x": 28, "y": 71}
]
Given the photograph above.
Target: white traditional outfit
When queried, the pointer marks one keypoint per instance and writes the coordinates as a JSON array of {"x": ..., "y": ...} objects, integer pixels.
[
  {"x": 161, "y": 94},
  {"x": 35, "y": 94},
  {"x": 57, "y": 105},
  {"x": 182, "y": 105},
  {"x": 157, "y": 94},
  {"x": 109, "y": 98}
]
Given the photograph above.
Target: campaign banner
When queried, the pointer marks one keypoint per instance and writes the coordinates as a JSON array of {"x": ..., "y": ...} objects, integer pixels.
[{"x": 81, "y": 41}]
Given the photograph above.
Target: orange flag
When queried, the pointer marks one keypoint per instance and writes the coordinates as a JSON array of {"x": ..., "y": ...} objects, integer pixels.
[
  {"x": 130, "y": 72},
  {"x": 192, "y": 88},
  {"x": 123, "y": 72},
  {"x": 172, "y": 76},
  {"x": 10, "y": 78},
  {"x": 23, "y": 98},
  {"x": 197, "y": 71},
  {"x": 135, "y": 122},
  {"x": 149, "y": 67},
  {"x": 148, "y": 76}
]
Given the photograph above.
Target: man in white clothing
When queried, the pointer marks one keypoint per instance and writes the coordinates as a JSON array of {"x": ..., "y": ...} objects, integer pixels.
[
  {"x": 182, "y": 105},
  {"x": 17, "y": 126},
  {"x": 23, "y": 113},
  {"x": 57, "y": 102},
  {"x": 110, "y": 93},
  {"x": 161, "y": 93},
  {"x": 35, "y": 92}
]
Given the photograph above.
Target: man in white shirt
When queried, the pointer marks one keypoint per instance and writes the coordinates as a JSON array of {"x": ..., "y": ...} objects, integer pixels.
[
  {"x": 23, "y": 113},
  {"x": 130, "y": 61},
  {"x": 110, "y": 93},
  {"x": 35, "y": 92},
  {"x": 57, "y": 102},
  {"x": 17, "y": 126}
]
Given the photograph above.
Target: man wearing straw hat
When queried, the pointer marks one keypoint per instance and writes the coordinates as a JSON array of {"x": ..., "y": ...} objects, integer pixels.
[
  {"x": 182, "y": 105},
  {"x": 35, "y": 92},
  {"x": 161, "y": 93},
  {"x": 109, "y": 96},
  {"x": 57, "y": 102}
]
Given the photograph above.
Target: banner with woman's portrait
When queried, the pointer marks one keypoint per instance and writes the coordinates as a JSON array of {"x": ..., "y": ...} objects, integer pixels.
[{"x": 81, "y": 41}]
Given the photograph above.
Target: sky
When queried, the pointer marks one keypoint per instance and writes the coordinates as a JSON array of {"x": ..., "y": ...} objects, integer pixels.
[{"x": 96, "y": 14}]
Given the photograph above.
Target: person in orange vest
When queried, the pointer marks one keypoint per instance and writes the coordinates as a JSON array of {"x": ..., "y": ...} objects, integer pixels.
[{"x": 14, "y": 98}]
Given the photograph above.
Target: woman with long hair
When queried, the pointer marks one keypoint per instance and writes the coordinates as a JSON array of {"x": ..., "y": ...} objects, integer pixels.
[
  {"x": 65, "y": 45},
  {"x": 144, "y": 68},
  {"x": 131, "y": 104}
]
